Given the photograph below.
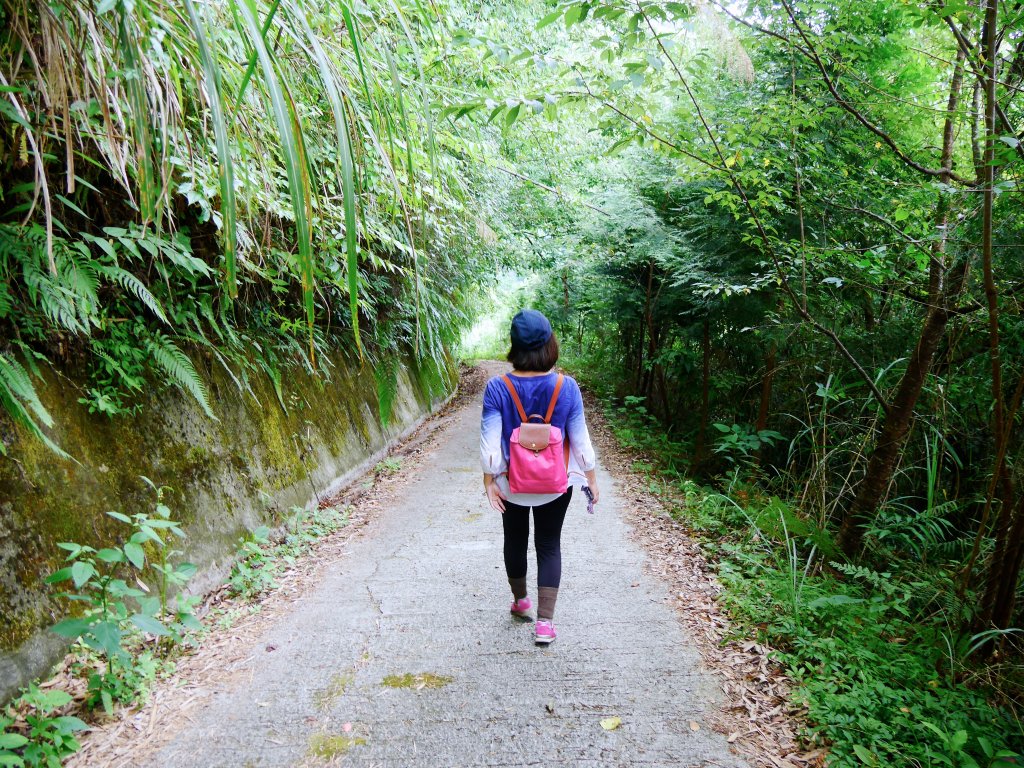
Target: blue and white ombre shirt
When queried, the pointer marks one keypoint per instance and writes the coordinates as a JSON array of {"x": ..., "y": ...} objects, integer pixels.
[{"x": 500, "y": 417}]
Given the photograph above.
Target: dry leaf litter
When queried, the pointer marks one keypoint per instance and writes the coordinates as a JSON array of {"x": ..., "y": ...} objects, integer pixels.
[{"x": 758, "y": 717}]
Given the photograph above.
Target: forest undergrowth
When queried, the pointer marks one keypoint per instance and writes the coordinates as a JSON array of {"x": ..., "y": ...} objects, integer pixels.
[{"x": 879, "y": 668}]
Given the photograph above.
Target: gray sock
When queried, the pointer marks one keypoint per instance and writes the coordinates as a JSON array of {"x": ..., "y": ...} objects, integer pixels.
[
  {"x": 546, "y": 597},
  {"x": 518, "y": 587}
]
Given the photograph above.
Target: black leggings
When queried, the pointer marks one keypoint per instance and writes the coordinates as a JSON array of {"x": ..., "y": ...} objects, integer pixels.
[{"x": 548, "y": 519}]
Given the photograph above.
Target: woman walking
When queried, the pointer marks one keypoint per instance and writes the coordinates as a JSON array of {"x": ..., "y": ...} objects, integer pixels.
[{"x": 534, "y": 383}]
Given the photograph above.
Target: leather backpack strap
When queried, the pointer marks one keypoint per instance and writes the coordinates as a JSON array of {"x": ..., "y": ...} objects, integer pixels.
[
  {"x": 554, "y": 398},
  {"x": 515, "y": 397}
]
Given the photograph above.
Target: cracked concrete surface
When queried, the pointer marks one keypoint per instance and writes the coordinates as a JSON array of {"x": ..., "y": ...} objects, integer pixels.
[{"x": 423, "y": 591}]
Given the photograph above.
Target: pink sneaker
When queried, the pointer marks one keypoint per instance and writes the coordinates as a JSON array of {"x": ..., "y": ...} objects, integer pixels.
[
  {"x": 545, "y": 632},
  {"x": 521, "y": 608}
]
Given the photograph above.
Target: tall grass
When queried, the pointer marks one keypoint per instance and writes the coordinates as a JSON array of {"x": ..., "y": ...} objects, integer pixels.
[{"x": 286, "y": 125}]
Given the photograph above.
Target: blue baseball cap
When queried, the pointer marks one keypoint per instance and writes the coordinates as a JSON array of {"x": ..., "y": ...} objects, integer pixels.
[{"x": 530, "y": 329}]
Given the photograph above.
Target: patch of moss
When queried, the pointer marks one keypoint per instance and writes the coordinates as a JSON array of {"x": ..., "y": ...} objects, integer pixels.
[
  {"x": 338, "y": 684},
  {"x": 18, "y": 629},
  {"x": 422, "y": 680},
  {"x": 328, "y": 746}
]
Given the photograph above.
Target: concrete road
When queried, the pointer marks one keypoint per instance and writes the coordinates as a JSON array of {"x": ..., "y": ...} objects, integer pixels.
[{"x": 405, "y": 654}]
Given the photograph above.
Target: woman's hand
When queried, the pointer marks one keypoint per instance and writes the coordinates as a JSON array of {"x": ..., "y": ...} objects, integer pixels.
[
  {"x": 494, "y": 495},
  {"x": 592, "y": 484}
]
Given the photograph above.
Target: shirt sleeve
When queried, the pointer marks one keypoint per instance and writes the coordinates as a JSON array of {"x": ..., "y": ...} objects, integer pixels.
[
  {"x": 492, "y": 458},
  {"x": 579, "y": 436}
]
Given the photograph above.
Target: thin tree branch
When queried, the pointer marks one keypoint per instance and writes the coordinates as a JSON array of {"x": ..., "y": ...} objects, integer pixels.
[
  {"x": 762, "y": 30},
  {"x": 881, "y": 220},
  {"x": 969, "y": 50},
  {"x": 847, "y": 106},
  {"x": 762, "y": 232},
  {"x": 667, "y": 142},
  {"x": 545, "y": 187}
]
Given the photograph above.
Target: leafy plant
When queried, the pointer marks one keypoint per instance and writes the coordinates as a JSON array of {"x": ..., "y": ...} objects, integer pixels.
[
  {"x": 114, "y": 611},
  {"x": 45, "y": 738},
  {"x": 262, "y": 559},
  {"x": 741, "y": 440},
  {"x": 254, "y": 571},
  {"x": 389, "y": 465}
]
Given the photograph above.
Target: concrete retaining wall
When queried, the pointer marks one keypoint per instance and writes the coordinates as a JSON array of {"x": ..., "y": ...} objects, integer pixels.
[{"x": 229, "y": 476}]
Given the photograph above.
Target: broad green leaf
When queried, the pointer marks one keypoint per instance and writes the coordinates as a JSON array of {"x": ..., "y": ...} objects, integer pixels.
[
  {"x": 69, "y": 724},
  {"x": 512, "y": 114},
  {"x": 865, "y": 756},
  {"x": 186, "y": 570},
  {"x": 151, "y": 625},
  {"x": 107, "y": 636},
  {"x": 109, "y": 555},
  {"x": 12, "y": 740},
  {"x": 135, "y": 553},
  {"x": 58, "y": 576},
  {"x": 47, "y": 701},
  {"x": 81, "y": 572},
  {"x": 834, "y": 600},
  {"x": 551, "y": 18}
]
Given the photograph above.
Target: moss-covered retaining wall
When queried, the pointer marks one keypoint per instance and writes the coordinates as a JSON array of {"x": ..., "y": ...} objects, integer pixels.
[{"x": 228, "y": 476}]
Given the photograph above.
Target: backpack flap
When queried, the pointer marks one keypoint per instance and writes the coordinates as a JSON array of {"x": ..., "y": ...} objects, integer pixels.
[{"x": 535, "y": 437}]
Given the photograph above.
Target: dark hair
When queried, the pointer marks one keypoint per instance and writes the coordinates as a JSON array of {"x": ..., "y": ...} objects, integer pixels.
[{"x": 541, "y": 360}]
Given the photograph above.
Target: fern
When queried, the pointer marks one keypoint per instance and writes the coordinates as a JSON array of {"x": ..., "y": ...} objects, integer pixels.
[
  {"x": 916, "y": 531},
  {"x": 6, "y": 300},
  {"x": 135, "y": 287},
  {"x": 19, "y": 398},
  {"x": 179, "y": 368},
  {"x": 54, "y": 300}
]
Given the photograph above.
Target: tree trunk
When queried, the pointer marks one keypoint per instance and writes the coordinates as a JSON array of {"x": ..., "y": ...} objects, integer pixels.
[
  {"x": 1002, "y": 479},
  {"x": 766, "y": 387},
  {"x": 700, "y": 448},
  {"x": 894, "y": 429},
  {"x": 1005, "y": 563},
  {"x": 943, "y": 289},
  {"x": 1000, "y": 596},
  {"x": 869, "y": 312}
]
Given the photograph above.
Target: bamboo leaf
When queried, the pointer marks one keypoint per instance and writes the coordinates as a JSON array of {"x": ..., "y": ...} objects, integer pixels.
[
  {"x": 211, "y": 78},
  {"x": 326, "y": 74},
  {"x": 290, "y": 149}
]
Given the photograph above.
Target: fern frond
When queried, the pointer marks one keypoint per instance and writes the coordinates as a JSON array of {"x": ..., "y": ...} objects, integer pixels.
[
  {"x": 78, "y": 282},
  {"x": 6, "y": 300},
  {"x": 135, "y": 287},
  {"x": 58, "y": 304},
  {"x": 21, "y": 401},
  {"x": 179, "y": 368}
]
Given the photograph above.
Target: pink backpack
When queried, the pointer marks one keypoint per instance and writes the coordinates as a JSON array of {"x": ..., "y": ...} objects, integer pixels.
[{"x": 538, "y": 455}]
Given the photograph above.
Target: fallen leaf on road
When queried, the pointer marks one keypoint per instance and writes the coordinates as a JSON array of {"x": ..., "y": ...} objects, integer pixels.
[
  {"x": 694, "y": 726},
  {"x": 611, "y": 723}
]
